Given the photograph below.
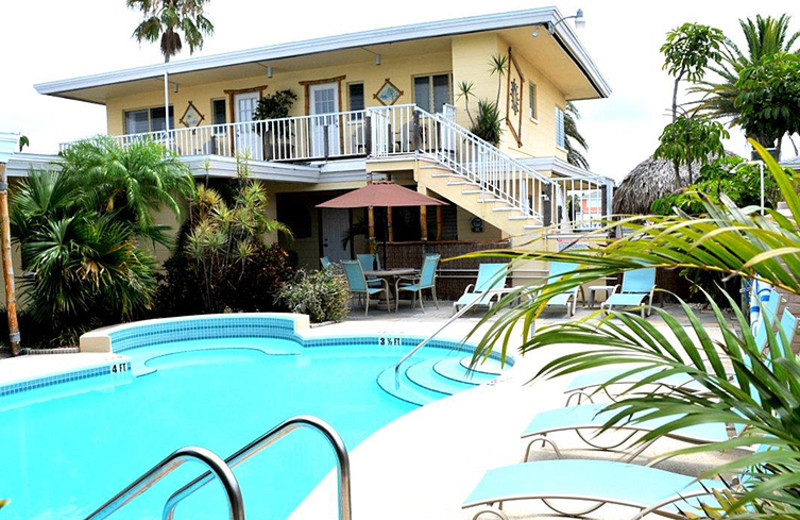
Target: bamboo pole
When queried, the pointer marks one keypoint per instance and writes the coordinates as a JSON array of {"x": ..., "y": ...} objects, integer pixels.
[
  {"x": 371, "y": 221},
  {"x": 8, "y": 266},
  {"x": 423, "y": 222}
]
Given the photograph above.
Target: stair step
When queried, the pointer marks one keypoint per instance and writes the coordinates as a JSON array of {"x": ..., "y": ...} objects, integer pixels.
[
  {"x": 423, "y": 374},
  {"x": 532, "y": 226},
  {"x": 440, "y": 175},
  {"x": 451, "y": 368},
  {"x": 519, "y": 217},
  {"x": 459, "y": 183},
  {"x": 505, "y": 208},
  {"x": 490, "y": 366},
  {"x": 492, "y": 200},
  {"x": 405, "y": 389}
]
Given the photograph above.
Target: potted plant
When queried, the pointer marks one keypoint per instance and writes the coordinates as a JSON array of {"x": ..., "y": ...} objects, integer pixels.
[{"x": 274, "y": 106}]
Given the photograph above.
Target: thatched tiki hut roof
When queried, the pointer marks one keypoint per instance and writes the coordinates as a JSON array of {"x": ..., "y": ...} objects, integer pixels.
[{"x": 650, "y": 180}]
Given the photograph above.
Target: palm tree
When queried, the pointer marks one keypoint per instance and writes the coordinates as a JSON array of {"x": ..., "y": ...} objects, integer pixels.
[
  {"x": 759, "y": 397},
  {"x": 764, "y": 36},
  {"x": 131, "y": 182},
  {"x": 167, "y": 19},
  {"x": 574, "y": 141}
]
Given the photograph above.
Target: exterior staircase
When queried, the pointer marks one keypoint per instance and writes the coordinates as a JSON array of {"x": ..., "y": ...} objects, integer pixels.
[{"x": 479, "y": 177}]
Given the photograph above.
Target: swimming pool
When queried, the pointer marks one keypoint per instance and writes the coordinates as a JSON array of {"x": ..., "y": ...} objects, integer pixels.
[{"x": 70, "y": 446}]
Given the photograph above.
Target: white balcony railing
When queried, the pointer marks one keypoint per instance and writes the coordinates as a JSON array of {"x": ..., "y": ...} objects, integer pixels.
[{"x": 388, "y": 131}]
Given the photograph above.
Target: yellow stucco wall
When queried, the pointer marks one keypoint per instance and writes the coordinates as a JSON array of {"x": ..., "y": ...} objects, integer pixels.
[{"x": 400, "y": 70}]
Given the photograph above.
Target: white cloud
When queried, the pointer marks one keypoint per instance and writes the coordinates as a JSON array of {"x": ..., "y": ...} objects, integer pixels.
[{"x": 52, "y": 39}]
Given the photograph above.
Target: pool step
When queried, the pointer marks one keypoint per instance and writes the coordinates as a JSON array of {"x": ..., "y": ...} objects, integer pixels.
[
  {"x": 451, "y": 368},
  {"x": 425, "y": 381},
  {"x": 490, "y": 366},
  {"x": 405, "y": 389},
  {"x": 424, "y": 375}
]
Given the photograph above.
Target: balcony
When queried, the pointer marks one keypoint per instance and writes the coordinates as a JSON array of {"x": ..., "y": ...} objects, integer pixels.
[{"x": 360, "y": 133}]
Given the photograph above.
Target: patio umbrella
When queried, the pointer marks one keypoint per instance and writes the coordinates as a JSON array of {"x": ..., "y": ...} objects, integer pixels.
[{"x": 382, "y": 194}]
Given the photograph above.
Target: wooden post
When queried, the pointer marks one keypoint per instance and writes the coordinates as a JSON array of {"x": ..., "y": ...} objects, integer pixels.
[
  {"x": 368, "y": 135},
  {"x": 439, "y": 223},
  {"x": 416, "y": 141},
  {"x": 8, "y": 266},
  {"x": 371, "y": 221},
  {"x": 389, "y": 228},
  {"x": 423, "y": 222}
]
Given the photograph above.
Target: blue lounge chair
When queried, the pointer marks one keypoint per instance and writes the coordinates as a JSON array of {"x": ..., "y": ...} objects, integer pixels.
[
  {"x": 325, "y": 262},
  {"x": 586, "y": 385},
  {"x": 488, "y": 287},
  {"x": 358, "y": 284},
  {"x": 597, "y": 482},
  {"x": 415, "y": 285},
  {"x": 367, "y": 262},
  {"x": 567, "y": 299},
  {"x": 637, "y": 287},
  {"x": 590, "y": 418}
]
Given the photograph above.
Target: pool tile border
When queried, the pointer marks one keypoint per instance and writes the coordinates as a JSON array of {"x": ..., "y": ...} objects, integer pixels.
[{"x": 122, "y": 338}]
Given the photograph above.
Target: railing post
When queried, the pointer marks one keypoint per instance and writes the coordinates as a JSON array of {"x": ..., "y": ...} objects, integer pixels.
[
  {"x": 368, "y": 135},
  {"x": 416, "y": 129},
  {"x": 325, "y": 140}
]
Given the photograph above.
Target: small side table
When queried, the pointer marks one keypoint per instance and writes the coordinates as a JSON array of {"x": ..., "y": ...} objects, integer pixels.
[{"x": 609, "y": 290}]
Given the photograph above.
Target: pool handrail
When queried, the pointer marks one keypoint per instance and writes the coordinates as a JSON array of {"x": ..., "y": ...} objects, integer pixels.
[
  {"x": 169, "y": 464},
  {"x": 265, "y": 440}
]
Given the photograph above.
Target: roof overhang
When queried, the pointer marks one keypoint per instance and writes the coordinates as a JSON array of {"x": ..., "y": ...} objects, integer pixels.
[
  {"x": 562, "y": 168},
  {"x": 86, "y": 88}
]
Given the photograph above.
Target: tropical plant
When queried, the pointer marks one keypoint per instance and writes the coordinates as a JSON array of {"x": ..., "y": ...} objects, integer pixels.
[
  {"x": 224, "y": 240},
  {"x": 130, "y": 182},
  {"x": 465, "y": 90},
  {"x": 760, "y": 393},
  {"x": 23, "y": 142},
  {"x": 323, "y": 295},
  {"x": 168, "y": 19},
  {"x": 84, "y": 268},
  {"x": 574, "y": 141},
  {"x": 275, "y": 106},
  {"x": 763, "y": 36},
  {"x": 487, "y": 123},
  {"x": 688, "y": 51},
  {"x": 497, "y": 67},
  {"x": 730, "y": 175},
  {"x": 688, "y": 140},
  {"x": 769, "y": 98}
]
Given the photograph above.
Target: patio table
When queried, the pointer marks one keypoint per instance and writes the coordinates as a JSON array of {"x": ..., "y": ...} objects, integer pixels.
[{"x": 390, "y": 275}]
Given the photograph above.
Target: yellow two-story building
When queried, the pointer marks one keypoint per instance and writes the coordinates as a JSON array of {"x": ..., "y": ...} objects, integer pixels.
[{"x": 386, "y": 103}]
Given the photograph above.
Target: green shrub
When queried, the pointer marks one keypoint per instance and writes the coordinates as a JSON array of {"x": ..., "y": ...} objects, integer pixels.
[
  {"x": 487, "y": 123},
  {"x": 186, "y": 288},
  {"x": 323, "y": 295}
]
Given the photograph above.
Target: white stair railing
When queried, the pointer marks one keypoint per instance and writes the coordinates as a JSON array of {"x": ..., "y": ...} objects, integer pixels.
[{"x": 495, "y": 172}]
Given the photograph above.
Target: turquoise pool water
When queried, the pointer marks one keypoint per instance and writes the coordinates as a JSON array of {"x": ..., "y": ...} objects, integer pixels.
[{"x": 66, "y": 449}]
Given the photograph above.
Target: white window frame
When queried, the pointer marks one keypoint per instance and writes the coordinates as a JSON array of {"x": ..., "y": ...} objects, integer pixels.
[
  {"x": 533, "y": 109},
  {"x": 561, "y": 137},
  {"x": 149, "y": 118},
  {"x": 430, "y": 86}
]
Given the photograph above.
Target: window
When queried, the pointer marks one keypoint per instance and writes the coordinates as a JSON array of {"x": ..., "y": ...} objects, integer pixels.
[
  {"x": 355, "y": 96},
  {"x": 431, "y": 93},
  {"x": 148, "y": 120},
  {"x": 219, "y": 115},
  {"x": 560, "y": 137},
  {"x": 532, "y": 101}
]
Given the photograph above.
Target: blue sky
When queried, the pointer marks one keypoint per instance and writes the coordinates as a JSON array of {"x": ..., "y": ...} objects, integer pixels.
[{"x": 51, "y": 39}]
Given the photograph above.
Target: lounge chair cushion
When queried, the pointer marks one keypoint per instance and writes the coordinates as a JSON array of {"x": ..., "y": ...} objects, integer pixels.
[
  {"x": 585, "y": 478},
  {"x": 562, "y": 299},
  {"x": 372, "y": 290},
  {"x": 625, "y": 299},
  {"x": 589, "y": 415},
  {"x": 467, "y": 298},
  {"x": 598, "y": 377}
]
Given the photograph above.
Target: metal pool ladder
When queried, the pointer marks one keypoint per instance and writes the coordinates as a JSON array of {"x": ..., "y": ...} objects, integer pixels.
[{"x": 223, "y": 470}]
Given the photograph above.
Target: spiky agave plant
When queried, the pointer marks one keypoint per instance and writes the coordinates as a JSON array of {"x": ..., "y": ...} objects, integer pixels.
[{"x": 759, "y": 392}]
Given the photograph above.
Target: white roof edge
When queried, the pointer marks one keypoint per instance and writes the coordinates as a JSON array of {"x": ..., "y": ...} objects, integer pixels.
[
  {"x": 558, "y": 165},
  {"x": 374, "y": 37}
]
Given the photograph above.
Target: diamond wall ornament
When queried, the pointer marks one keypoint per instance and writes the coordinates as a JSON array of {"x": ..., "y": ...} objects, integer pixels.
[
  {"x": 388, "y": 94},
  {"x": 192, "y": 117}
]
